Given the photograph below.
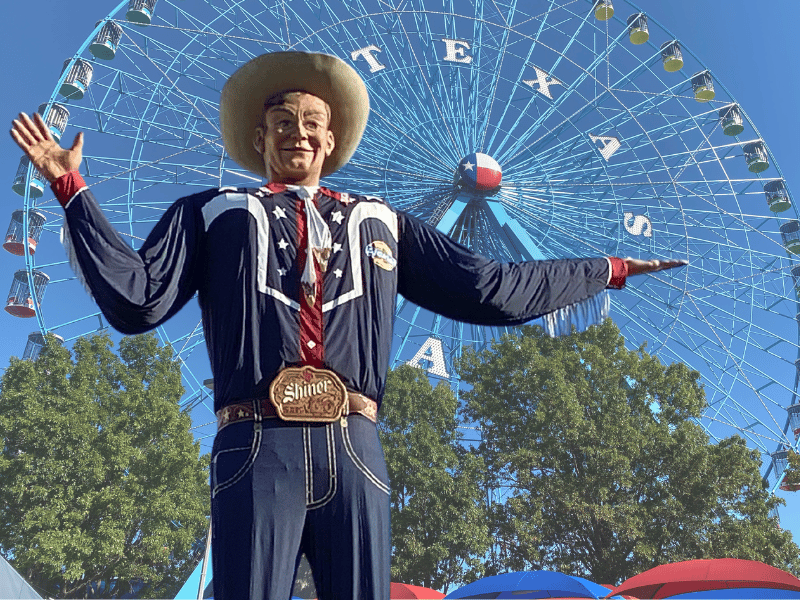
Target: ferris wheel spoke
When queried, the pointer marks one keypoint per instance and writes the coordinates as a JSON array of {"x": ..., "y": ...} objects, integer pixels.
[
  {"x": 174, "y": 85},
  {"x": 732, "y": 358},
  {"x": 428, "y": 90},
  {"x": 639, "y": 140},
  {"x": 766, "y": 341},
  {"x": 727, "y": 419},
  {"x": 516, "y": 89},
  {"x": 583, "y": 111},
  {"x": 190, "y": 341},
  {"x": 569, "y": 91},
  {"x": 482, "y": 121},
  {"x": 700, "y": 349},
  {"x": 739, "y": 415},
  {"x": 265, "y": 21},
  {"x": 416, "y": 143},
  {"x": 251, "y": 21},
  {"x": 648, "y": 100},
  {"x": 739, "y": 221},
  {"x": 588, "y": 107}
]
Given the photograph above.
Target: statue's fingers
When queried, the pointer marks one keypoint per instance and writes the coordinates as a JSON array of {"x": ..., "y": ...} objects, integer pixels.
[
  {"x": 18, "y": 139},
  {"x": 42, "y": 127},
  {"x": 30, "y": 126},
  {"x": 20, "y": 134},
  {"x": 671, "y": 264},
  {"x": 77, "y": 144}
]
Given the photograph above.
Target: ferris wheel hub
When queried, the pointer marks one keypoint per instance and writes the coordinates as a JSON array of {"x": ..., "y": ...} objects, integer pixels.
[{"x": 480, "y": 172}]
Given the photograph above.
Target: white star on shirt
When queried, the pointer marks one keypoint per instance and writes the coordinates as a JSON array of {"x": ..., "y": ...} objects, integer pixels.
[
  {"x": 281, "y": 272},
  {"x": 279, "y": 213},
  {"x": 338, "y": 273},
  {"x": 468, "y": 166},
  {"x": 338, "y": 217},
  {"x": 283, "y": 244},
  {"x": 336, "y": 247}
]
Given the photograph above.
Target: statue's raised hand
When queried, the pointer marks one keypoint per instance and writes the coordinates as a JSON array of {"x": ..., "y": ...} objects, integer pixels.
[{"x": 36, "y": 141}]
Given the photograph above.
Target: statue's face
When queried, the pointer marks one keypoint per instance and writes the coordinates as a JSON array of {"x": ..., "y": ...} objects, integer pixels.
[{"x": 294, "y": 139}]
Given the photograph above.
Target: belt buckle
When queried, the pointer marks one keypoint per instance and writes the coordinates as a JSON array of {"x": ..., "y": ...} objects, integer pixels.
[{"x": 308, "y": 394}]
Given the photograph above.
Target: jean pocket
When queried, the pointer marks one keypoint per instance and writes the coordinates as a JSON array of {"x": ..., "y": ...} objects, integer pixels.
[
  {"x": 234, "y": 455},
  {"x": 360, "y": 439}
]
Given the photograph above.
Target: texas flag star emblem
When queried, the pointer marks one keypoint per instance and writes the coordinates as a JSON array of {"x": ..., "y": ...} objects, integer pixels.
[{"x": 480, "y": 171}]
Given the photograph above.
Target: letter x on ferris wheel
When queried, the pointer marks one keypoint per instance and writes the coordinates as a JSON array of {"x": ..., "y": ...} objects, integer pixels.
[{"x": 608, "y": 137}]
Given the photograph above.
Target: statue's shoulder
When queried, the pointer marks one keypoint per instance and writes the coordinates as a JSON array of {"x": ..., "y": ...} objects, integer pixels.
[{"x": 348, "y": 198}]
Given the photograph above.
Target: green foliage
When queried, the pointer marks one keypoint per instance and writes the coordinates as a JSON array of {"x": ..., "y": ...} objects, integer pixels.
[
  {"x": 101, "y": 478},
  {"x": 439, "y": 531},
  {"x": 792, "y": 472},
  {"x": 304, "y": 581},
  {"x": 609, "y": 473}
]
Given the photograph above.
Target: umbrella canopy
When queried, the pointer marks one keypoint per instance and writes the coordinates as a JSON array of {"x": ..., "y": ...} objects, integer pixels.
[
  {"x": 600, "y": 589},
  {"x": 667, "y": 581},
  {"x": 530, "y": 584},
  {"x": 402, "y": 591},
  {"x": 12, "y": 585},
  {"x": 740, "y": 594}
]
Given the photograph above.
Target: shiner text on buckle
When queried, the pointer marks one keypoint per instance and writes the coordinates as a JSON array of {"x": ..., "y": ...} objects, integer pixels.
[{"x": 308, "y": 394}]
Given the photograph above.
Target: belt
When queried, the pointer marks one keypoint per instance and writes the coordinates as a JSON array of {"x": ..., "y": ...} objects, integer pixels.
[{"x": 244, "y": 411}]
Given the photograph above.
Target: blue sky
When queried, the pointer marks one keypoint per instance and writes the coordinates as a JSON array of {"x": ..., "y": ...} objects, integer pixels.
[{"x": 748, "y": 46}]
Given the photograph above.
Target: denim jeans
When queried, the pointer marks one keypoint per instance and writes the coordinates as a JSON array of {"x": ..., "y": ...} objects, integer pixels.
[{"x": 280, "y": 489}]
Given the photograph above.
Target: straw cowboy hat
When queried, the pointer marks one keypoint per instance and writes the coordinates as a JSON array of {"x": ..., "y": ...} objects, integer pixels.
[{"x": 241, "y": 105}]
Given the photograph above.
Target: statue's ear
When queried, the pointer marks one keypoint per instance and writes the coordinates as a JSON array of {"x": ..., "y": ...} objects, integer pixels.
[
  {"x": 258, "y": 139},
  {"x": 331, "y": 143}
]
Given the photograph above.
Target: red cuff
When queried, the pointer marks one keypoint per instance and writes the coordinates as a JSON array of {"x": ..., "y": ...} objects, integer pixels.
[
  {"x": 66, "y": 186},
  {"x": 619, "y": 272}
]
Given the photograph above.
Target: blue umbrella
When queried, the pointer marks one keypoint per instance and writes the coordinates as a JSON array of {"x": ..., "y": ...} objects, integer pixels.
[
  {"x": 530, "y": 584},
  {"x": 601, "y": 590}
]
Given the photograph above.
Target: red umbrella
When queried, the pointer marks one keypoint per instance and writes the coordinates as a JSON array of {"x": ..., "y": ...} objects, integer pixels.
[
  {"x": 402, "y": 591},
  {"x": 707, "y": 574},
  {"x": 610, "y": 588}
]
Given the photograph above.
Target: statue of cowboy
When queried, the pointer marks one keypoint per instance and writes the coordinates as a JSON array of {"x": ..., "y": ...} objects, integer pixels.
[{"x": 297, "y": 285}]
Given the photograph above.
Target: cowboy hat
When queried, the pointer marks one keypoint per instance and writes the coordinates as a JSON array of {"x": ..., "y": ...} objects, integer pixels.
[{"x": 241, "y": 105}]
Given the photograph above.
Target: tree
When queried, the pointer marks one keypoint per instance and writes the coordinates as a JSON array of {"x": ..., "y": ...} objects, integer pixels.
[
  {"x": 608, "y": 473},
  {"x": 792, "y": 473},
  {"x": 102, "y": 485},
  {"x": 304, "y": 580},
  {"x": 439, "y": 531}
]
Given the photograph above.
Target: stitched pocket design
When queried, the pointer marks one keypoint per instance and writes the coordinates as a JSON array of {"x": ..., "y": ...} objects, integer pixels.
[
  {"x": 361, "y": 464},
  {"x": 231, "y": 464}
]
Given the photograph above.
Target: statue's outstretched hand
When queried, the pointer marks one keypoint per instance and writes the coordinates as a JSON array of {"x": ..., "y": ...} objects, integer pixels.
[
  {"x": 641, "y": 267},
  {"x": 45, "y": 154}
]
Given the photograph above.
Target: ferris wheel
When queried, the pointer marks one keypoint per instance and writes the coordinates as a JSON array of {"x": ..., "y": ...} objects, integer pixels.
[{"x": 524, "y": 130}]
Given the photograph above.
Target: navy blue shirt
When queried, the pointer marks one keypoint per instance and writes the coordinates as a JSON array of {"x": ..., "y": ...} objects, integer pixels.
[{"x": 238, "y": 250}]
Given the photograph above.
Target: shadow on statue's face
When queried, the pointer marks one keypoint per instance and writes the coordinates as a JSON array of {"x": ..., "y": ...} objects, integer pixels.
[{"x": 294, "y": 139}]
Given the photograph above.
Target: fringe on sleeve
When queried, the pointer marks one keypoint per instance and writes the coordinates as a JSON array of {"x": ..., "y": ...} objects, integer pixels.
[{"x": 582, "y": 315}]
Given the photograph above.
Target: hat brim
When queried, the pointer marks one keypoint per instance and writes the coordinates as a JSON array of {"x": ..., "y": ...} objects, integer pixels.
[{"x": 241, "y": 105}]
